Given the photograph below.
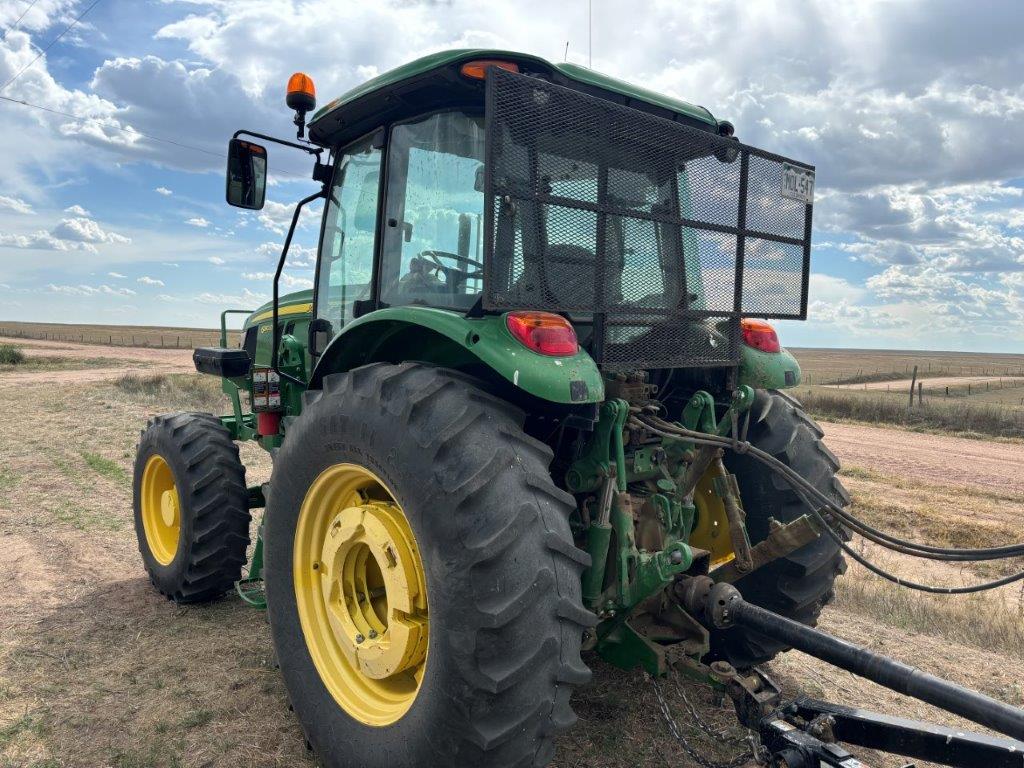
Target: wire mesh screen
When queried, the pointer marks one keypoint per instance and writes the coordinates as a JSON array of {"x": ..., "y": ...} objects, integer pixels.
[{"x": 662, "y": 231}]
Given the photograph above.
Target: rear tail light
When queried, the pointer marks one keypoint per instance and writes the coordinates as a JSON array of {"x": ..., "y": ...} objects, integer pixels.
[
  {"x": 543, "y": 332},
  {"x": 760, "y": 335}
]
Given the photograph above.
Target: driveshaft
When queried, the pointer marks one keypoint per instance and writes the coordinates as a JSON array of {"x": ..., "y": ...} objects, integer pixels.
[{"x": 727, "y": 608}]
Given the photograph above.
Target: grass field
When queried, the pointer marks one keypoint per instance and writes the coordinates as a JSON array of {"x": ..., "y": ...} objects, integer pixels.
[
  {"x": 99, "y": 671},
  {"x": 117, "y": 335}
]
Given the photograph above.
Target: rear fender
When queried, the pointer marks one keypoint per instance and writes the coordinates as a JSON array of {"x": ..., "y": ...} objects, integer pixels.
[{"x": 476, "y": 345}]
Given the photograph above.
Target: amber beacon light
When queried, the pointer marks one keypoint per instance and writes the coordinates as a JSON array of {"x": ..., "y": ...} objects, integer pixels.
[{"x": 301, "y": 96}]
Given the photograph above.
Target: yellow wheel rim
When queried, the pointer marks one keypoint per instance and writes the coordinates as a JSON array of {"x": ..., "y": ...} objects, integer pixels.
[
  {"x": 161, "y": 510},
  {"x": 711, "y": 529},
  {"x": 361, "y": 594}
]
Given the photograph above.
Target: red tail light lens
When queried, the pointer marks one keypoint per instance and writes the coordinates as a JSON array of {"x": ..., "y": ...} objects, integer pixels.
[
  {"x": 760, "y": 335},
  {"x": 543, "y": 332}
]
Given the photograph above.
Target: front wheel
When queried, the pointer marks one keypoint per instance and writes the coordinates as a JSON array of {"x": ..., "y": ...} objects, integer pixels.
[
  {"x": 423, "y": 588},
  {"x": 191, "y": 506}
]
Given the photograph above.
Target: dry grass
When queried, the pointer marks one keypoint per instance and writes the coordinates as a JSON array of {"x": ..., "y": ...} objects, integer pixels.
[
  {"x": 185, "y": 391},
  {"x": 957, "y": 415},
  {"x": 829, "y": 366},
  {"x": 974, "y": 620}
]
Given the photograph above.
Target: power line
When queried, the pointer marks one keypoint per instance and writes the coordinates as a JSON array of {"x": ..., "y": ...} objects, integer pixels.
[
  {"x": 128, "y": 130},
  {"x": 17, "y": 21},
  {"x": 51, "y": 44}
]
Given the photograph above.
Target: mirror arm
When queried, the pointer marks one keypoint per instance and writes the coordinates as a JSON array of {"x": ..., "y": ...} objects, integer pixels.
[
  {"x": 277, "y": 278},
  {"x": 317, "y": 151}
]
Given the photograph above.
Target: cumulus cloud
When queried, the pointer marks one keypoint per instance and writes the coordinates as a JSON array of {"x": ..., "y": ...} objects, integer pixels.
[
  {"x": 85, "y": 230},
  {"x": 77, "y": 210},
  {"x": 197, "y": 221},
  {"x": 117, "y": 275},
  {"x": 217, "y": 260},
  {"x": 147, "y": 280},
  {"x": 163, "y": 191}
]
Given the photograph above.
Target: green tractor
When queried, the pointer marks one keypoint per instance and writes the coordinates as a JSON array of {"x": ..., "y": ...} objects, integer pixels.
[{"x": 500, "y": 422}]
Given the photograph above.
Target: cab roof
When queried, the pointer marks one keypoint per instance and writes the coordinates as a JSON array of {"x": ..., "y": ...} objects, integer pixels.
[{"x": 434, "y": 80}]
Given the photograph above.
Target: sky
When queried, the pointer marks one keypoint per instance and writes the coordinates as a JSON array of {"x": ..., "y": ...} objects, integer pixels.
[{"x": 912, "y": 112}]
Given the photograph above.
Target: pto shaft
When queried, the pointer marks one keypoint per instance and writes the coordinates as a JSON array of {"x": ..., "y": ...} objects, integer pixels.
[{"x": 727, "y": 608}]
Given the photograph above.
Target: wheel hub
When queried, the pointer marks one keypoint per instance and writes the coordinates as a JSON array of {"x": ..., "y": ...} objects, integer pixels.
[
  {"x": 369, "y": 580},
  {"x": 169, "y": 507}
]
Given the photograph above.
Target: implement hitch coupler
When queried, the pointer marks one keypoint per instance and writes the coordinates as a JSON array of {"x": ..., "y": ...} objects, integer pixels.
[{"x": 726, "y": 608}]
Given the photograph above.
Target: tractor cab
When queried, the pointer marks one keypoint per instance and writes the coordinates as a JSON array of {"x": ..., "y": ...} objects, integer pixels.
[{"x": 482, "y": 183}]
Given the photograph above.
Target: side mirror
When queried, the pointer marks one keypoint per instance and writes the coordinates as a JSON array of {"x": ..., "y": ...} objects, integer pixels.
[
  {"x": 247, "y": 174},
  {"x": 320, "y": 331}
]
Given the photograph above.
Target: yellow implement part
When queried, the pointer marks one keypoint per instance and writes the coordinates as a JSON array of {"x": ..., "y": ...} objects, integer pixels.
[
  {"x": 161, "y": 510},
  {"x": 361, "y": 594}
]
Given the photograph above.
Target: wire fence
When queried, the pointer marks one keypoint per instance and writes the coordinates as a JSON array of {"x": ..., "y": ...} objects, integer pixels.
[{"x": 164, "y": 339}]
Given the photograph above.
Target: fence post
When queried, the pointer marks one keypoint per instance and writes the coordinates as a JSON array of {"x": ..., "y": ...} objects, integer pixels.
[
  {"x": 920, "y": 393},
  {"x": 913, "y": 381}
]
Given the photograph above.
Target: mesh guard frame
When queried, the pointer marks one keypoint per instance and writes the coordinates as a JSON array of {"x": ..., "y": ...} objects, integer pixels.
[{"x": 736, "y": 206}]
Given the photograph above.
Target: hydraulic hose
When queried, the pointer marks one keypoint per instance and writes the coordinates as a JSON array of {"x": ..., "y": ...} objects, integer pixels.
[
  {"x": 869, "y": 532},
  {"x": 728, "y": 608},
  {"x": 804, "y": 488}
]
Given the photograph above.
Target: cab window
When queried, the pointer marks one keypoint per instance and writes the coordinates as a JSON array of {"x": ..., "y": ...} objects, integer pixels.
[
  {"x": 346, "y": 251},
  {"x": 433, "y": 221}
]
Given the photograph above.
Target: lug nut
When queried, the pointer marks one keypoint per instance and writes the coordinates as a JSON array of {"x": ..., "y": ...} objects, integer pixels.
[
  {"x": 359, "y": 639},
  {"x": 373, "y": 634}
]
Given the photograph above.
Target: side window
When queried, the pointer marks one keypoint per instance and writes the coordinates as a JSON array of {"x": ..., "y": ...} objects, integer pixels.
[
  {"x": 346, "y": 253},
  {"x": 433, "y": 237}
]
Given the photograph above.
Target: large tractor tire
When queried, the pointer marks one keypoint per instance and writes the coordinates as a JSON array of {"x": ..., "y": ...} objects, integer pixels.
[
  {"x": 423, "y": 588},
  {"x": 800, "y": 585},
  {"x": 191, "y": 506}
]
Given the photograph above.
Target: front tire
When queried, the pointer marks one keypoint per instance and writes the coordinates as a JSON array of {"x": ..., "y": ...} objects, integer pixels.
[
  {"x": 191, "y": 506},
  {"x": 499, "y": 568}
]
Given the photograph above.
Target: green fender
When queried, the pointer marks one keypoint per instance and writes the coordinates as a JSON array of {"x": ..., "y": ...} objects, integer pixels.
[
  {"x": 442, "y": 337},
  {"x": 768, "y": 370}
]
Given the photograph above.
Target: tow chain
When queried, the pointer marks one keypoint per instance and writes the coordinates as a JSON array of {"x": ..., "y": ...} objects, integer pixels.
[{"x": 756, "y": 751}]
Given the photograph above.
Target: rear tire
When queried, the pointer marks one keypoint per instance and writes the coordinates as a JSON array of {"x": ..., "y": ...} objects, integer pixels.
[
  {"x": 501, "y": 572},
  {"x": 800, "y": 585},
  {"x": 191, "y": 506}
]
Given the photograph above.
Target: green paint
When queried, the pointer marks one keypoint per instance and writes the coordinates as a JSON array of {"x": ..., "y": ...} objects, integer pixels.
[
  {"x": 419, "y": 67},
  {"x": 768, "y": 370},
  {"x": 449, "y": 338}
]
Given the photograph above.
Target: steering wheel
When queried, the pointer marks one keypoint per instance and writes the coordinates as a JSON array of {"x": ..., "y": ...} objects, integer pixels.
[
  {"x": 436, "y": 256},
  {"x": 456, "y": 277}
]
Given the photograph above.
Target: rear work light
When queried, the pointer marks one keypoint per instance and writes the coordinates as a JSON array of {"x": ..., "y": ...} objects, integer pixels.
[
  {"x": 543, "y": 332},
  {"x": 477, "y": 70},
  {"x": 758, "y": 334}
]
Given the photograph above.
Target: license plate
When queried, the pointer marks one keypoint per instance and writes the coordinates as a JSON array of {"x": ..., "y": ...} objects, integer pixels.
[{"x": 797, "y": 183}]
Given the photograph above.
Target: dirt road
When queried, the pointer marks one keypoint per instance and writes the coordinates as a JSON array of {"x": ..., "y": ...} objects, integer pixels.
[
  {"x": 936, "y": 459},
  {"x": 149, "y": 360}
]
